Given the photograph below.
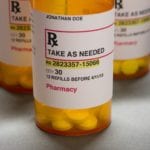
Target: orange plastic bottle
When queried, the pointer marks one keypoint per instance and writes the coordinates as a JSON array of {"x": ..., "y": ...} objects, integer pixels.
[
  {"x": 132, "y": 34},
  {"x": 72, "y": 65},
  {"x": 15, "y": 46}
]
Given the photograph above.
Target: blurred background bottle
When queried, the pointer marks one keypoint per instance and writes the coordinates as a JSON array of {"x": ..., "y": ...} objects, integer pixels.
[
  {"x": 15, "y": 46},
  {"x": 73, "y": 42},
  {"x": 132, "y": 34}
]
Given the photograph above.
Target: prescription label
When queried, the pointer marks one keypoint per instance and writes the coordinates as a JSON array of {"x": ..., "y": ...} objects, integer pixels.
[
  {"x": 72, "y": 59},
  {"x": 132, "y": 31},
  {"x": 15, "y": 29}
]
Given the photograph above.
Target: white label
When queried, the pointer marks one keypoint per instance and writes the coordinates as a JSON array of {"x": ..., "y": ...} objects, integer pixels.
[
  {"x": 15, "y": 29},
  {"x": 72, "y": 61},
  {"x": 132, "y": 32}
]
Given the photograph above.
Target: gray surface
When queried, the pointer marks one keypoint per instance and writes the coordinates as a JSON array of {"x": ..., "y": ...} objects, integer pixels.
[{"x": 130, "y": 128}]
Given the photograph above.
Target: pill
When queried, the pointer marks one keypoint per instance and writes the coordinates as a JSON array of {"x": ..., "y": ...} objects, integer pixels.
[
  {"x": 57, "y": 115},
  {"x": 117, "y": 67},
  {"x": 105, "y": 111},
  {"x": 50, "y": 113},
  {"x": 129, "y": 67},
  {"x": 40, "y": 108},
  {"x": 94, "y": 110},
  {"x": 61, "y": 125},
  {"x": 10, "y": 78},
  {"x": 26, "y": 81},
  {"x": 77, "y": 116},
  {"x": 27, "y": 70},
  {"x": 89, "y": 123},
  {"x": 10, "y": 81},
  {"x": 8, "y": 69},
  {"x": 26, "y": 77},
  {"x": 42, "y": 119},
  {"x": 142, "y": 62}
]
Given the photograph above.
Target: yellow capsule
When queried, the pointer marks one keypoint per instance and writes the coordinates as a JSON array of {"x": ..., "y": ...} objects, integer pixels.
[
  {"x": 26, "y": 81},
  {"x": 105, "y": 111},
  {"x": 8, "y": 69},
  {"x": 41, "y": 110},
  {"x": 77, "y": 116},
  {"x": 28, "y": 70},
  {"x": 61, "y": 125},
  {"x": 10, "y": 81},
  {"x": 14, "y": 75},
  {"x": 50, "y": 113},
  {"x": 117, "y": 67},
  {"x": 94, "y": 110},
  {"x": 42, "y": 119},
  {"x": 58, "y": 115},
  {"x": 142, "y": 62},
  {"x": 89, "y": 123},
  {"x": 129, "y": 67},
  {"x": 55, "y": 114}
]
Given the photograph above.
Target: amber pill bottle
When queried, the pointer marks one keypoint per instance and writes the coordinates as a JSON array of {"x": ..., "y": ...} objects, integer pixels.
[
  {"x": 132, "y": 34},
  {"x": 15, "y": 46},
  {"x": 73, "y": 42}
]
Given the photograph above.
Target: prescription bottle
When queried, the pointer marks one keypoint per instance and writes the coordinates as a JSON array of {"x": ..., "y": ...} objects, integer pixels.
[
  {"x": 15, "y": 46},
  {"x": 132, "y": 34},
  {"x": 73, "y": 41}
]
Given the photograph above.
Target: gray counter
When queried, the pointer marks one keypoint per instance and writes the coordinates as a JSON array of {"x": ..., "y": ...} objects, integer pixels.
[{"x": 130, "y": 128}]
